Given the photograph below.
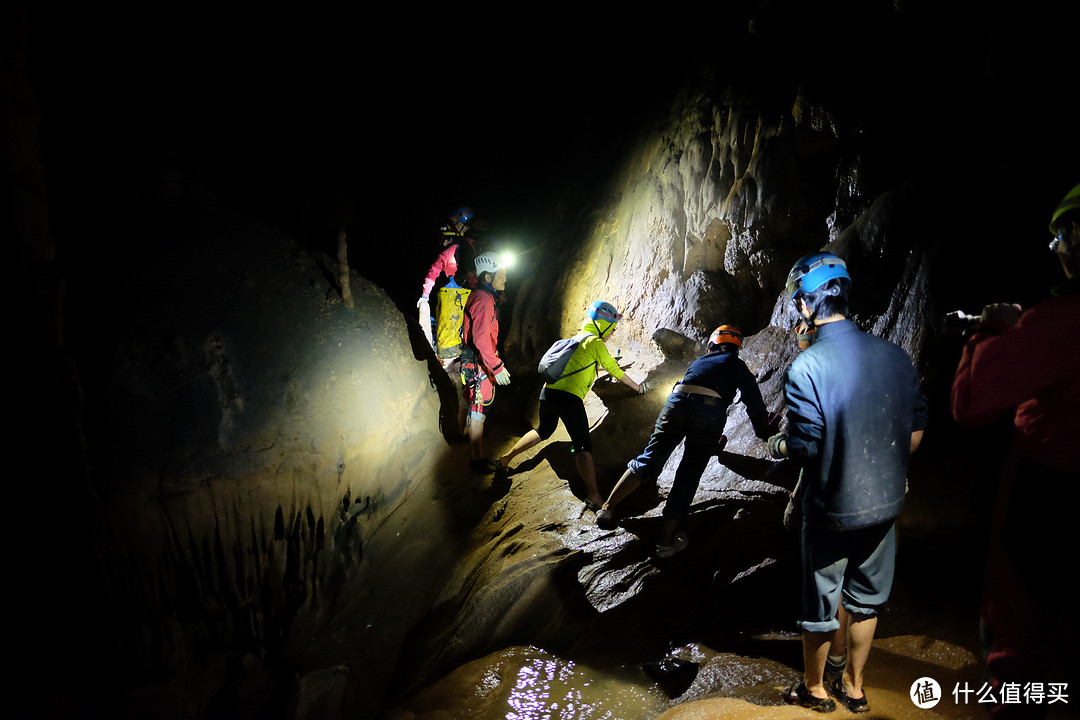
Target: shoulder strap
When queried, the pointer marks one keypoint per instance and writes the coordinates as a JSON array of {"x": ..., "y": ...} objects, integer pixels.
[{"x": 580, "y": 337}]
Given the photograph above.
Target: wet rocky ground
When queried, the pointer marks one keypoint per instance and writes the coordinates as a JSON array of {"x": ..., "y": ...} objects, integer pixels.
[{"x": 581, "y": 623}]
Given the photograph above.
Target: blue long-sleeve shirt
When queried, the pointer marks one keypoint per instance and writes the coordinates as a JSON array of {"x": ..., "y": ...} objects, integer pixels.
[
  {"x": 727, "y": 374},
  {"x": 853, "y": 402}
]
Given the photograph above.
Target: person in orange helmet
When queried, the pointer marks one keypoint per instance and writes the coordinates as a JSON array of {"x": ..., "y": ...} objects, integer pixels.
[{"x": 695, "y": 410}]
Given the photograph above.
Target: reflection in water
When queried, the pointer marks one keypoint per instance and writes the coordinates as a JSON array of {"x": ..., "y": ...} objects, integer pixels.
[
  {"x": 527, "y": 683},
  {"x": 549, "y": 688}
]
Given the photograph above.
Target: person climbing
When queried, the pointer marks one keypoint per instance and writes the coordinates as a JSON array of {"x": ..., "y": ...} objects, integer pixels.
[
  {"x": 564, "y": 399},
  {"x": 481, "y": 367},
  {"x": 696, "y": 409},
  {"x": 855, "y": 414},
  {"x": 440, "y": 319},
  {"x": 1026, "y": 366}
]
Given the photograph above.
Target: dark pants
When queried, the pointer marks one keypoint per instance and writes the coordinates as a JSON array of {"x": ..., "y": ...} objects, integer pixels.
[
  {"x": 1028, "y": 606},
  {"x": 700, "y": 420}
]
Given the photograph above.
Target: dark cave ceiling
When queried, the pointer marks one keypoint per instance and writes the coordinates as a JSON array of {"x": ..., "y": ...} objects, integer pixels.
[{"x": 404, "y": 114}]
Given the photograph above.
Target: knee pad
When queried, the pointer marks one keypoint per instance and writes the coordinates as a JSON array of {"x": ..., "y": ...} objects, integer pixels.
[{"x": 475, "y": 416}]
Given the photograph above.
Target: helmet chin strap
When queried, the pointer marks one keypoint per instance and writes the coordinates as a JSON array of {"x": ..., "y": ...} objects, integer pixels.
[
  {"x": 831, "y": 291},
  {"x": 812, "y": 317}
]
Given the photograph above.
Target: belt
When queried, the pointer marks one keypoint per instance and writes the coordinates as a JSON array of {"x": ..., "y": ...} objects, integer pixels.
[{"x": 686, "y": 389}]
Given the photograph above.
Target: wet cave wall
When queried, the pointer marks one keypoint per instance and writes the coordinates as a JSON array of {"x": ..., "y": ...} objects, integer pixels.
[{"x": 244, "y": 506}]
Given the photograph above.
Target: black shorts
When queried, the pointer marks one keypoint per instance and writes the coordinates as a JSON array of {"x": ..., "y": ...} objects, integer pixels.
[{"x": 558, "y": 405}]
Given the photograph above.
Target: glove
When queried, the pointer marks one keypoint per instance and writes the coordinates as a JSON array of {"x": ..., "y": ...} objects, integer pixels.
[
  {"x": 643, "y": 387},
  {"x": 774, "y": 445},
  {"x": 503, "y": 377}
]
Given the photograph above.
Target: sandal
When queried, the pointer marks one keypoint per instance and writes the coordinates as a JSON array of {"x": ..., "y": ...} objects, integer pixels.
[
  {"x": 485, "y": 466},
  {"x": 799, "y": 695},
  {"x": 594, "y": 506},
  {"x": 855, "y": 705}
]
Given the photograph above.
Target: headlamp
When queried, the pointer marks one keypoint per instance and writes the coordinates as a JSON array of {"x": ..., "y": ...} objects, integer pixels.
[{"x": 815, "y": 271}]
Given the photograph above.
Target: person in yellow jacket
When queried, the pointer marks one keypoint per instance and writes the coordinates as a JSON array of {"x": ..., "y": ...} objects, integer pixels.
[{"x": 564, "y": 399}]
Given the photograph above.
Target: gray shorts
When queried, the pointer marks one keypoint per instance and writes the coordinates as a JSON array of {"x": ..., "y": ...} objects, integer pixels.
[{"x": 852, "y": 566}]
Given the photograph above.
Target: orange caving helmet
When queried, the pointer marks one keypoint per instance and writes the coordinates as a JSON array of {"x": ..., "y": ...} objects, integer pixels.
[{"x": 726, "y": 334}]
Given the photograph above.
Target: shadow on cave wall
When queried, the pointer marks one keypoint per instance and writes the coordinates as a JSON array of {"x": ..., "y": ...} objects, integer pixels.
[{"x": 446, "y": 385}]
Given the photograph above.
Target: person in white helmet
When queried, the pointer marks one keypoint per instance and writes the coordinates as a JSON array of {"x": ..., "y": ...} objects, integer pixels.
[{"x": 481, "y": 366}]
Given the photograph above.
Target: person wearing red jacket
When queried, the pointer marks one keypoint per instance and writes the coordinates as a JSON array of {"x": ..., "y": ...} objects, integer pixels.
[
  {"x": 1026, "y": 366},
  {"x": 458, "y": 247},
  {"x": 481, "y": 366}
]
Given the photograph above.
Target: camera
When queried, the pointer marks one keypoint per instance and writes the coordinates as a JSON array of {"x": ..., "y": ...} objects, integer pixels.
[{"x": 959, "y": 322}]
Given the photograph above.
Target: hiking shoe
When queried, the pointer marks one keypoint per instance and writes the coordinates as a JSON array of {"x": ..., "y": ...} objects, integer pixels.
[
  {"x": 679, "y": 542},
  {"x": 834, "y": 670},
  {"x": 855, "y": 705},
  {"x": 485, "y": 466},
  {"x": 605, "y": 520},
  {"x": 799, "y": 695}
]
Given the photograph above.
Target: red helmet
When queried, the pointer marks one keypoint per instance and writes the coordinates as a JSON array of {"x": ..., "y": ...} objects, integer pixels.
[{"x": 726, "y": 334}]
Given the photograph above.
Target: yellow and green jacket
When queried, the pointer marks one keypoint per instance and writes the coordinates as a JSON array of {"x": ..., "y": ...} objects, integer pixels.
[{"x": 591, "y": 352}]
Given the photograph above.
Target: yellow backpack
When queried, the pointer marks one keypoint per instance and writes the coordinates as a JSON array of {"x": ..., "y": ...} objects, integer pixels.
[{"x": 448, "y": 320}]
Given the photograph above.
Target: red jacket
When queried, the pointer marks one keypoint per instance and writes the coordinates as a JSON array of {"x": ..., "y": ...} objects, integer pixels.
[
  {"x": 445, "y": 263},
  {"x": 480, "y": 327},
  {"x": 1032, "y": 370}
]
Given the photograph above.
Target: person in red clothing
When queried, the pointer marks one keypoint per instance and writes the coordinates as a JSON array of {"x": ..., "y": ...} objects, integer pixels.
[
  {"x": 1026, "y": 365},
  {"x": 458, "y": 250},
  {"x": 481, "y": 367}
]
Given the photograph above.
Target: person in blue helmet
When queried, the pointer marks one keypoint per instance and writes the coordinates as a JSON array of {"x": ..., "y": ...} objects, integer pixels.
[
  {"x": 695, "y": 412},
  {"x": 564, "y": 399},
  {"x": 452, "y": 266},
  {"x": 855, "y": 413}
]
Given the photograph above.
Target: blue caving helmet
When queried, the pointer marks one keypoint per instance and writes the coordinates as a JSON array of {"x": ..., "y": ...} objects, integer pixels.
[
  {"x": 600, "y": 310},
  {"x": 812, "y": 271},
  {"x": 603, "y": 316},
  {"x": 463, "y": 214}
]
